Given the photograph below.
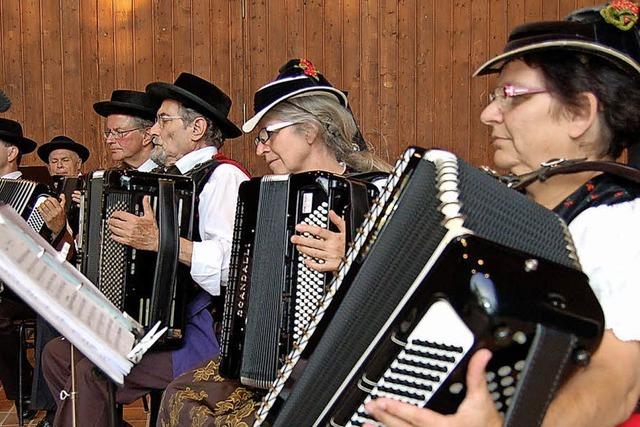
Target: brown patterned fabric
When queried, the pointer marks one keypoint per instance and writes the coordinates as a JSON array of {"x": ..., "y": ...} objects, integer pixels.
[{"x": 201, "y": 397}]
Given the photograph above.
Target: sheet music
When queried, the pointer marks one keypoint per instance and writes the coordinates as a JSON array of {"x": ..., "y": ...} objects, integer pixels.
[{"x": 65, "y": 298}]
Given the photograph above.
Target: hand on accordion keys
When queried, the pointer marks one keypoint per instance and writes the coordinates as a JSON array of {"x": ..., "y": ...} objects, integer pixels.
[
  {"x": 476, "y": 410},
  {"x": 139, "y": 232},
  {"x": 53, "y": 214},
  {"x": 326, "y": 246}
]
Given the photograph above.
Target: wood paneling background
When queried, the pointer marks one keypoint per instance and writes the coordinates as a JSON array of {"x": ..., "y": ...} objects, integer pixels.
[{"x": 406, "y": 63}]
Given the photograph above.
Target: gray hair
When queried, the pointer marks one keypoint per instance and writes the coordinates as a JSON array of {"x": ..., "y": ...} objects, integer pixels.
[
  {"x": 212, "y": 135},
  {"x": 336, "y": 125}
]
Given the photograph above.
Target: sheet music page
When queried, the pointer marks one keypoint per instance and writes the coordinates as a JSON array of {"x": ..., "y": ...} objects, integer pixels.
[{"x": 64, "y": 297}]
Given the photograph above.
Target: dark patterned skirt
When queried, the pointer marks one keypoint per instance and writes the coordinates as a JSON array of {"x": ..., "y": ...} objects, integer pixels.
[{"x": 201, "y": 397}]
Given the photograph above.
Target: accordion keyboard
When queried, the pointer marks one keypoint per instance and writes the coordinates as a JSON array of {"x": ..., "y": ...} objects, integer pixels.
[
  {"x": 430, "y": 354},
  {"x": 310, "y": 289}
]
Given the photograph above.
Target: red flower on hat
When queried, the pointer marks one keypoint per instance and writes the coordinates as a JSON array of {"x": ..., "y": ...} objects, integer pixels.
[
  {"x": 623, "y": 14},
  {"x": 308, "y": 68}
]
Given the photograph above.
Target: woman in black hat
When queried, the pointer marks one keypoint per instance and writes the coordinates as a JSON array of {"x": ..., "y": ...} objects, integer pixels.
[
  {"x": 570, "y": 90},
  {"x": 303, "y": 124}
]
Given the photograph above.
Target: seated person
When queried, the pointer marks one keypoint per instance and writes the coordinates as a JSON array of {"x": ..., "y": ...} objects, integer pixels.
[
  {"x": 64, "y": 158},
  {"x": 129, "y": 115},
  {"x": 569, "y": 90},
  {"x": 191, "y": 126},
  {"x": 303, "y": 125},
  {"x": 13, "y": 145}
]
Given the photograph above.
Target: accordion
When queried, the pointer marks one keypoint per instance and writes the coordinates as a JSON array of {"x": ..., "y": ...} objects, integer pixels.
[
  {"x": 143, "y": 284},
  {"x": 448, "y": 261},
  {"x": 271, "y": 292},
  {"x": 24, "y": 197}
]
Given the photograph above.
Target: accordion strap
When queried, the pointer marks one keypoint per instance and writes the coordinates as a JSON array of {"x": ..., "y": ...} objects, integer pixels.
[
  {"x": 562, "y": 167},
  {"x": 547, "y": 361},
  {"x": 168, "y": 249}
]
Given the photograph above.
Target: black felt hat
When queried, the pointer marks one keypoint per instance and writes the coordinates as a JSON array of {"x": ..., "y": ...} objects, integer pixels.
[
  {"x": 200, "y": 95},
  {"x": 11, "y": 132},
  {"x": 605, "y": 31},
  {"x": 129, "y": 103},
  {"x": 296, "y": 77},
  {"x": 62, "y": 142}
]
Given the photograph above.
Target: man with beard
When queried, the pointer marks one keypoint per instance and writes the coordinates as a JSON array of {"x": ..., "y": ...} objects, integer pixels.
[{"x": 190, "y": 127}]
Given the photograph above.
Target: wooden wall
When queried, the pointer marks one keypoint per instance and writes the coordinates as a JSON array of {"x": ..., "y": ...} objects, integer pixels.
[{"x": 406, "y": 63}]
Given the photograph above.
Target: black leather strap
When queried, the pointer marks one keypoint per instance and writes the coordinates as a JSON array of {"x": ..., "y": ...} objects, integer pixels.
[
  {"x": 168, "y": 252},
  {"x": 546, "y": 365},
  {"x": 563, "y": 167}
]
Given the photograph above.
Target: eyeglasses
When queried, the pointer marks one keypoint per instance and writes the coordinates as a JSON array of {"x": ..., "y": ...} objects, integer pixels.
[
  {"x": 119, "y": 134},
  {"x": 265, "y": 133},
  {"x": 504, "y": 95},
  {"x": 161, "y": 119}
]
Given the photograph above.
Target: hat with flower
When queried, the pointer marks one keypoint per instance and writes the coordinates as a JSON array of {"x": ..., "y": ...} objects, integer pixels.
[
  {"x": 609, "y": 32},
  {"x": 296, "y": 77}
]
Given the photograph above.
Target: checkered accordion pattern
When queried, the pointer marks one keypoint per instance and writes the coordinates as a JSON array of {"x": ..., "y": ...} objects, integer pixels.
[
  {"x": 271, "y": 293},
  {"x": 143, "y": 284},
  {"x": 448, "y": 261}
]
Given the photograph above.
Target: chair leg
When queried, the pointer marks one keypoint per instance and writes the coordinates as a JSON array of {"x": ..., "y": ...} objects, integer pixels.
[
  {"x": 155, "y": 398},
  {"x": 20, "y": 374}
]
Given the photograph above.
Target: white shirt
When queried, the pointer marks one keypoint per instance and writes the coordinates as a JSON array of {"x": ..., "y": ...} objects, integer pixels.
[
  {"x": 217, "y": 209},
  {"x": 147, "y": 166},
  {"x": 12, "y": 175},
  {"x": 607, "y": 239}
]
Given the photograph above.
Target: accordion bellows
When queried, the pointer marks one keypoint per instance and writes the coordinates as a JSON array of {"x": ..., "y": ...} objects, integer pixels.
[
  {"x": 431, "y": 202},
  {"x": 24, "y": 197}
]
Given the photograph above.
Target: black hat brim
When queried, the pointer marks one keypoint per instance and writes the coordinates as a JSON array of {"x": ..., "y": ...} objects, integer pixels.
[
  {"x": 107, "y": 108},
  {"x": 161, "y": 91},
  {"x": 617, "y": 58},
  {"x": 25, "y": 145},
  {"x": 45, "y": 150}
]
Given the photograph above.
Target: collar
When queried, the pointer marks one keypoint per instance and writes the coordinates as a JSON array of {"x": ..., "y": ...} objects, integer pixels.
[
  {"x": 12, "y": 175},
  {"x": 189, "y": 161},
  {"x": 147, "y": 166}
]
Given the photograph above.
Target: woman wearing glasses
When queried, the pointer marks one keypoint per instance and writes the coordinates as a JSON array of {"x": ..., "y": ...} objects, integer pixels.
[
  {"x": 303, "y": 125},
  {"x": 570, "y": 90}
]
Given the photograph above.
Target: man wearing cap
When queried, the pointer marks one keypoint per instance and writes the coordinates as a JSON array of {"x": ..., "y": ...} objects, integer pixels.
[
  {"x": 129, "y": 115},
  {"x": 191, "y": 126},
  {"x": 12, "y": 146}
]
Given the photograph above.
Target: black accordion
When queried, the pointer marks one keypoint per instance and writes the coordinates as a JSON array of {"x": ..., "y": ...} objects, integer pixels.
[
  {"x": 271, "y": 292},
  {"x": 448, "y": 261},
  {"x": 150, "y": 287},
  {"x": 24, "y": 197}
]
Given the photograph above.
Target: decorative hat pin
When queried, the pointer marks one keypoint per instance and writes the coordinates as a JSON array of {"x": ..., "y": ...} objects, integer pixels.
[{"x": 623, "y": 14}]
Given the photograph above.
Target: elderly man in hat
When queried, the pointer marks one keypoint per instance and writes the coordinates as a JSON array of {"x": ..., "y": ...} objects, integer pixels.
[
  {"x": 129, "y": 115},
  {"x": 12, "y": 146},
  {"x": 64, "y": 158},
  {"x": 190, "y": 128}
]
